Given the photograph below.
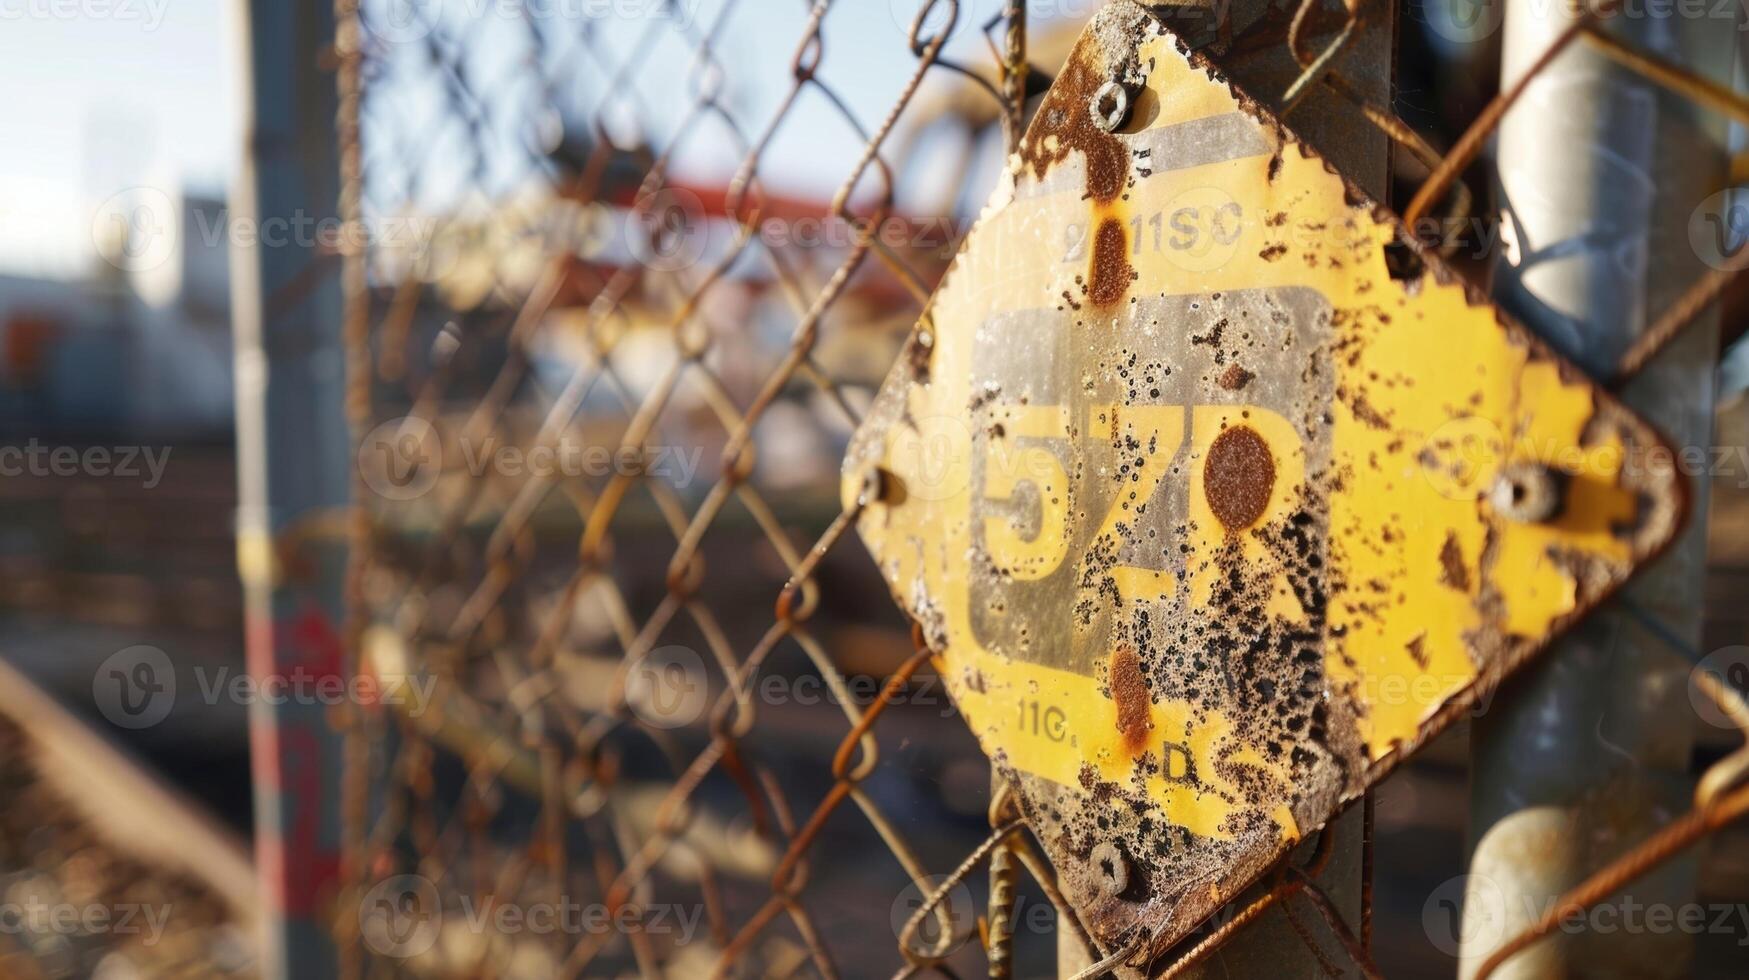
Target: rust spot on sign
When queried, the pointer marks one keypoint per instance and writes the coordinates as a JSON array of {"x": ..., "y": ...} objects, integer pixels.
[
  {"x": 1111, "y": 273},
  {"x": 1234, "y": 378},
  {"x": 1131, "y": 694},
  {"x": 1417, "y": 648},
  {"x": 1064, "y": 123},
  {"x": 1238, "y": 477},
  {"x": 1453, "y": 571}
]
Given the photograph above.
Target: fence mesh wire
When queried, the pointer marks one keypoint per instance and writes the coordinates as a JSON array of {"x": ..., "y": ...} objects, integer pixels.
[{"x": 626, "y": 296}]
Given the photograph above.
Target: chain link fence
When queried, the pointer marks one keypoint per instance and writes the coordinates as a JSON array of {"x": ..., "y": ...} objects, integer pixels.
[{"x": 634, "y": 270}]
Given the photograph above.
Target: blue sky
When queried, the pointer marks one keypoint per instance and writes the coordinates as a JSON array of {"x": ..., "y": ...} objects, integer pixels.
[
  {"x": 108, "y": 94},
  {"x": 129, "y": 92}
]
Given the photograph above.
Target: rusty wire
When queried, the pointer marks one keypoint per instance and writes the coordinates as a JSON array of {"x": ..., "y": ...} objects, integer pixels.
[
  {"x": 526, "y": 739},
  {"x": 463, "y": 587}
]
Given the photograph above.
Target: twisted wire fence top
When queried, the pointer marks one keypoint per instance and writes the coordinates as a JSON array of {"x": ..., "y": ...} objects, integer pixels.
[{"x": 634, "y": 270}]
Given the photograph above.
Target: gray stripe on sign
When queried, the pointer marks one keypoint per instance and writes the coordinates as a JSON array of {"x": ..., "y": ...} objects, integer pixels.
[
  {"x": 1180, "y": 146},
  {"x": 1212, "y": 139}
]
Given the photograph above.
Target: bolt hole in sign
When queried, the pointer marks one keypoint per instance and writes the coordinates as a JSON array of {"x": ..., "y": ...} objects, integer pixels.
[{"x": 1214, "y": 495}]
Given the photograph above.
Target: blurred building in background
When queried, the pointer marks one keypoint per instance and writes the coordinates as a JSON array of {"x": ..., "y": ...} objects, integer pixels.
[{"x": 139, "y": 345}]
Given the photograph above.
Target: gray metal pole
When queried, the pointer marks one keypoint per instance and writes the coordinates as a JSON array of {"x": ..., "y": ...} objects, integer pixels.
[
  {"x": 293, "y": 467},
  {"x": 1600, "y": 171}
]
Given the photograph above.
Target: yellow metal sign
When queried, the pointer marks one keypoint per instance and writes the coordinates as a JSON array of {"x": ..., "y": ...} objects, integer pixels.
[{"x": 1215, "y": 496}]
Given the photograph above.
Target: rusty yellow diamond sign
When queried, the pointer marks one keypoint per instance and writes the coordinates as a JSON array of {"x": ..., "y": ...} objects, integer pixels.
[{"x": 1214, "y": 495}]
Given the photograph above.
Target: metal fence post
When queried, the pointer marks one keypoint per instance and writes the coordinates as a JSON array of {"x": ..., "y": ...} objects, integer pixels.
[
  {"x": 293, "y": 465},
  {"x": 1589, "y": 750}
]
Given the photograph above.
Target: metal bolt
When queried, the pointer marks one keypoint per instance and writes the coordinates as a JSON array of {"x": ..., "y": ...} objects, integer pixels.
[
  {"x": 1110, "y": 868},
  {"x": 1526, "y": 492},
  {"x": 1110, "y": 105}
]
